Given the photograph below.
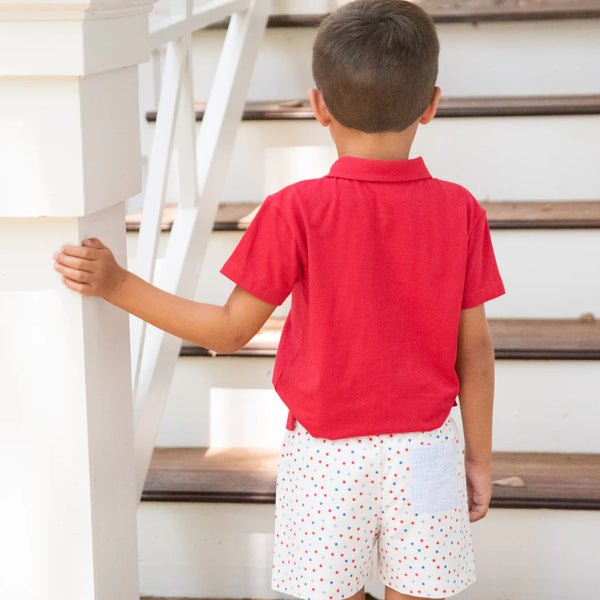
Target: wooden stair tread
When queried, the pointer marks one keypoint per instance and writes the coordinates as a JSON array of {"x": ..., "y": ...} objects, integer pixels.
[
  {"x": 546, "y": 338},
  {"x": 465, "y": 106},
  {"x": 517, "y": 339},
  {"x": 568, "y": 481},
  {"x": 212, "y": 475},
  {"x": 231, "y": 216},
  {"x": 551, "y": 480},
  {"x": 471, "y": 11},
  {"x": 526, "y": 214},
  {"x": 521, "y": 214}
]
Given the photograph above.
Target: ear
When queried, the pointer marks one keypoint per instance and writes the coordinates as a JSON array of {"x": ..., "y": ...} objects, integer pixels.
[
  {"x": 430, "y": 111},
  {"x": 319, "y": 108}
]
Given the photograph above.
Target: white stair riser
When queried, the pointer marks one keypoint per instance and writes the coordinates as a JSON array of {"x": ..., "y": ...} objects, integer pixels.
[
  {"x": 547, "y": 273},
  {"x": 518, "y": 58},
  {"x": 224, "y": 551},
  {"x": 205, "y": 550},
  {"x": 508, "y": 158},
  {"x": 541, "y": 406}
]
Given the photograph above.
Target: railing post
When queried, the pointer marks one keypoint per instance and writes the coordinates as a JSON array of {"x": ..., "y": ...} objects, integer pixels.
[{"x": 69, "y": 158}]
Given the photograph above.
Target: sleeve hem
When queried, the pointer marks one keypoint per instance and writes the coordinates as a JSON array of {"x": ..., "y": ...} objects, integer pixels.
[
  {"x": 482, "y": 296},
  {"x": 235, "y": 274}
]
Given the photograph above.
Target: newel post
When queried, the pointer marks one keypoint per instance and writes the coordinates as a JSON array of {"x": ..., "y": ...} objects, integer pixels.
[{"x": 69, "y": 158}]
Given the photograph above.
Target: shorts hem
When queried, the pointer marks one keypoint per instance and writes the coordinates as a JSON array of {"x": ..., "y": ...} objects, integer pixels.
[
  {"x": 317, "y": 594},
  {"x": 432, "y": 594}
]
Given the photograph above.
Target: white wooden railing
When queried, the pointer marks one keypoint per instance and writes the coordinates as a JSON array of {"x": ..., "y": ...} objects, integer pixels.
[{"x": 202, "y": 163}]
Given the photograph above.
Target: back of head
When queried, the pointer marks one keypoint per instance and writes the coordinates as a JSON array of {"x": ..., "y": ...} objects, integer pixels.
[{"x": 376, "y": 62}]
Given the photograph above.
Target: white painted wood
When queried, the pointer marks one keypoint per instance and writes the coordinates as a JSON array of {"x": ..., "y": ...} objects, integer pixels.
[
  {"x": 314, "y": 7},
  {"x": 541, "y": 406},
  {"x": 194, "y": 412},
  {"x": 226, "y": 101},
  {"x": 179, "y": 115},
  {"x": 509, "y": 158},
  {"x": 547, "y": 406},
  {"x": 154, "y": 197},
  {"x": 68, "y": 507},
  {"x": 185, "y": 141},
  {"x": 224, "y": 551},
  {"x": 209, "y": 12},
  {"x": 527, "y": 57},
  {"x": 547, "y": 273},
  {"x": 69, "y": 158},
  {"x": 511, "y": 58},
  {"x": 516, "y": 158},
  {"x": 207, "y": 551},
  {"x": 160, "y": 350},
  {"x": 81, "y": 117},
  {"x": 282, "y": 68},
  {"x": 177, "y": 137},
  {"x": 72, "y": 38},
  {"x": 175, "y": 63},
  {"x": 193, "y": 226}
]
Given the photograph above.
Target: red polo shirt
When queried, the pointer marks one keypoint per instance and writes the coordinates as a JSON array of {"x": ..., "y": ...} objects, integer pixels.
[{"x": 380, "y": 258}]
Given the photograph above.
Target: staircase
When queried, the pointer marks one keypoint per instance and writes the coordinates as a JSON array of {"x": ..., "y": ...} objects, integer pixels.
[{"x": 519, "y": 126}]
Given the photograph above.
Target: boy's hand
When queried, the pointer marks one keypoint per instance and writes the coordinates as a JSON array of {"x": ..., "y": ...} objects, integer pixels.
[
  {"x": 479, "y": 489},
  {"x": 89, "y": 269}
]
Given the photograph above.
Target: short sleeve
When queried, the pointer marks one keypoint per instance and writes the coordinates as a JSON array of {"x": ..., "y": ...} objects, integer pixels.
[
  {"x": 266, "y": 262},
  {"x": 482, "y": 278}
]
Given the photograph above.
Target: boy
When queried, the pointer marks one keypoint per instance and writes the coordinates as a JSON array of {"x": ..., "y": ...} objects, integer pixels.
[{"x": 388, "y": 270}]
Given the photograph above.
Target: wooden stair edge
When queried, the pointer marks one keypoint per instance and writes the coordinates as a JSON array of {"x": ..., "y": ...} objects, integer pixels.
[
  {"x": 539, "y": 214},
  {"x": 450, "y": 107},
  {"x": 514, "y": 339},
  {"x": 501, "y": 214},
  {"x": 563, "y": 481},
  {"x": 468, "y": 12}
]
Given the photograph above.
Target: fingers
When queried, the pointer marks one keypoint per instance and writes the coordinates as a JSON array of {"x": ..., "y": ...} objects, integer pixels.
[
  {"x": 479, "y": 491},
  {"x": 479, "y": 503},
  {"x": 93, "y": 243},
  {"x": 83, "y": 288},
  {"x": 477, "y": 512},
  {"x": 87, "y": 251},
  {"x": 80, "y": 257},
  {"x": 73, "y": 262},
  {"x": 72, "y": 265},
  {"x": 77, "y": 263},
  {"x": 73, "y": 274}
]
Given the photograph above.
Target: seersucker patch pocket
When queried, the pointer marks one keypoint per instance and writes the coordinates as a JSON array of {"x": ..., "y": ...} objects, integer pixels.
[{"x": 434, "y": 477}]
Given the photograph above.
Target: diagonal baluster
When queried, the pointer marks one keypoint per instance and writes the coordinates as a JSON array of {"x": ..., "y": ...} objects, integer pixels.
[
  {"x": 156, "y": 186},
  {"x": 193, "y": 223}
]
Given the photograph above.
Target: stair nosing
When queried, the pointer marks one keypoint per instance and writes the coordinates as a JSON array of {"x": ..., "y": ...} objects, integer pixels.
[
  {"x": 539, "y": 491},
  {"x": 502, "y": 214},
  {"x": 545, "y": 346},
  {"x": 497, "y": 13},
  {"x": 450, "y": 107}
]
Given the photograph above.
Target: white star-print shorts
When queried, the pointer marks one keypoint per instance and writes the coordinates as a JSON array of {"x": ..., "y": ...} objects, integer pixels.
[{"x": 395, "y": 505}]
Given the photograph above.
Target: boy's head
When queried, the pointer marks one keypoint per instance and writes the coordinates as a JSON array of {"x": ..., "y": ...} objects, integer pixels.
[{"x": 376, "y": 62}]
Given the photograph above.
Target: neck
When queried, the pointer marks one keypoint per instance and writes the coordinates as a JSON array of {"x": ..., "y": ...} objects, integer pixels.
[{"x": 389, "y": 145}]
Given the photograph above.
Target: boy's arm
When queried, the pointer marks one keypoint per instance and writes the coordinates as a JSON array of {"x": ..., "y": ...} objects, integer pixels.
[
  {"x": 91, "y": 270},
  {"x": 475, "y": 369}
]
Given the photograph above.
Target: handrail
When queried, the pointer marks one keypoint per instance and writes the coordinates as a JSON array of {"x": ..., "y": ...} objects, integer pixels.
[{"x": 211, "y": 12}]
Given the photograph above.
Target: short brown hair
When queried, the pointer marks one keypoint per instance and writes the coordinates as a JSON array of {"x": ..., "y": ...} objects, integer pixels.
[{"x": 376, "y": 63}]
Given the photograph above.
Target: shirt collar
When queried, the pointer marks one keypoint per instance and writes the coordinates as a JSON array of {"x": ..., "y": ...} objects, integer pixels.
[{"x": 366, "y": 169}]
